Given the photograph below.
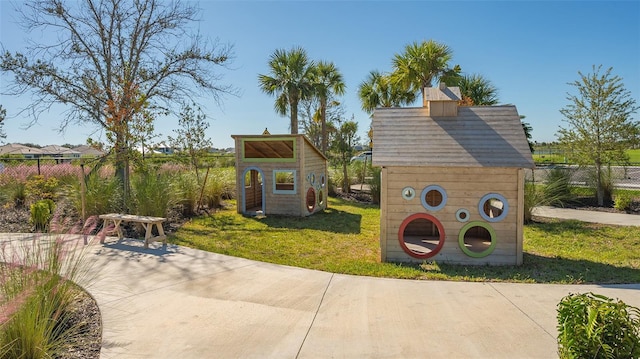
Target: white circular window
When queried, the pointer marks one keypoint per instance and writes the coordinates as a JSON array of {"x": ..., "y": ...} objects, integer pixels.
[
  {"x": 408, "y": 193},
  {"x": 493, "y": 207},
  {"x": 462, "y": 215},
  {"x": 433, "y": 197}
]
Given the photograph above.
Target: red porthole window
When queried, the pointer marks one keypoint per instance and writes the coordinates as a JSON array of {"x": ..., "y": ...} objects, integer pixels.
[
  {"x": 311, "y": 199},
  {"x": 421, "y": 235}
]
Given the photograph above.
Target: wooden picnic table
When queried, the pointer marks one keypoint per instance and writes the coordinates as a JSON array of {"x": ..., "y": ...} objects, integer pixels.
[{"x": 146, "y": 221}]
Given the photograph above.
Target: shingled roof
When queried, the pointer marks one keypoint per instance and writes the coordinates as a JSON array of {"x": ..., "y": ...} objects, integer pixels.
[{"x": 481, "y": 136}]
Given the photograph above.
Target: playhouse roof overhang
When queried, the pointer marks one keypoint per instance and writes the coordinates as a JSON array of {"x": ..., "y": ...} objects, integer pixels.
[
  {"x": 278, "y": 136},
  {"x": 479, "y": 136}
]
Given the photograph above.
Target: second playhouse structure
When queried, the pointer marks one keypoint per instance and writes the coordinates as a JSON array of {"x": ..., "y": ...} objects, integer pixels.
[
  {"x": 452, "y": 187},
  {"x": 279, "y": 174}
]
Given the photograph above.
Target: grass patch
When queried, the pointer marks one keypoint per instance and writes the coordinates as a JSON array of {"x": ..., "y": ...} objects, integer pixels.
[
  {"x": 634, "y": 155},
  {"x": 345, "y": 239}
]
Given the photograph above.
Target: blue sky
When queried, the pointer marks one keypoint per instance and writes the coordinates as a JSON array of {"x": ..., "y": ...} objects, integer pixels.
[{"x": 529, "y": 50}]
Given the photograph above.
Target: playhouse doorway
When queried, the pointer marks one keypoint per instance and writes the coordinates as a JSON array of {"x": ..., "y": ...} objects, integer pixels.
[
  {"x": 253, "y": 191},
  {"x": 421, "y": 235}
]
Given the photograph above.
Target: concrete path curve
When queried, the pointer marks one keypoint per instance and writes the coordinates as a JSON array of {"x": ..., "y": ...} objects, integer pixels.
[{"x": 177, "y": 302}]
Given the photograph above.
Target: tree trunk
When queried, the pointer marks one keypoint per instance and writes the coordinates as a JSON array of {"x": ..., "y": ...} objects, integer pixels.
[
  {"x": 346, "y": 188},
  {"x": 599, "y": 189},
  {"x": 294, "y": 118},
  {"x": 122, "y": 168},
  {"x": 323, "y": 121}
]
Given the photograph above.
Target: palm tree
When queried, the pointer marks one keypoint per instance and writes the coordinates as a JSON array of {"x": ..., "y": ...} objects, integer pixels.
[
  {"x": 479, "y": 90},
  {"x": 378, "y": 91},
  {"x": 290, "y": 81},
  {"x": 327, "y": 80},
  {"x": 423, "y": 63}
]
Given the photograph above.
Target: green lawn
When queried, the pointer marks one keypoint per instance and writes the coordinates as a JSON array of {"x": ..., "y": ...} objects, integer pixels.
[
  {"x": 543, "y": 156},
  {"x": 344, "y": 239},
  {"x": 634, "y": 156}
]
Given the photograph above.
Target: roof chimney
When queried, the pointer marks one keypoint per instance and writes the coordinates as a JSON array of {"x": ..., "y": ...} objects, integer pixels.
[{"x": 442, "y": 101}]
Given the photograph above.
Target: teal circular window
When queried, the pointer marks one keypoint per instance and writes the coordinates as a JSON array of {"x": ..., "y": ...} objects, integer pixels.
[
  {"x": 477, "y": 239},
  {"x": 408, "y": 193},
  {"x": 462, "y": 215}
]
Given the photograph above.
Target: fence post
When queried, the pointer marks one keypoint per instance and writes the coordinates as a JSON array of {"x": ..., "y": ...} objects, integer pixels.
[{"x": 83, "y": 190}]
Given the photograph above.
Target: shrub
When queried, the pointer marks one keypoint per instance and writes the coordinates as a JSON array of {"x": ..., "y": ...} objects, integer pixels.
[
  {"x": 607, "y": 182},
  {"x": 375, "y": 184},
  {"x": 41, "y": 213},
  {"x": 188, "y": 192},
  {"x": 623, "y": 201},
  {"x": 37, "y": 188},
  {"x": 37, "y": 296},
  {"x": 220, "y": 185},
  {"x": 14, "y": 192},
  {"x": 595, "y": 326},
  {"x": 557, "y": 190},
  {"x": 152, "y": 193},
  {"x": 534, "y": 196},
  {"x": 103, "y": 195}
]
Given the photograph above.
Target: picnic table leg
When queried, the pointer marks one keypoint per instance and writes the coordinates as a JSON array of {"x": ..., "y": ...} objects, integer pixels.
[
  {"x": 147, "y": 233},
  {"x": 116, "y": 223},
  {"x": 161, "y": 233}
]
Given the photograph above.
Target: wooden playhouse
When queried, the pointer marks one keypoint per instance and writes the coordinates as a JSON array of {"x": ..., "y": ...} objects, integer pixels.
[
  {"x": 279, "y": 174},
  {"x": 452, "y": 186}
]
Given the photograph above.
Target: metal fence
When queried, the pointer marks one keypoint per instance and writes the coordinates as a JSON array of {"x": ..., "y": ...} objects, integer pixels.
[{"x": 624, "y": 177}]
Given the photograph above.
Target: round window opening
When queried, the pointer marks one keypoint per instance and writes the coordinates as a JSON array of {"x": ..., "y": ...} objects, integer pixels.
[
  {"x": 421, "y": 236},
  {"x": 322, "y": 180},
  {"x": 320, "y": 198},
  {"x": 462, "y": 215},
  {"x": 477, "y": 239},
  {"x": 312, "y": 179},
  {"x": 311, "y": 199},
  {"x": 408, "y": 193},
  {"x": 434, "y": 197},
  {"x": 493, "y": 207}
]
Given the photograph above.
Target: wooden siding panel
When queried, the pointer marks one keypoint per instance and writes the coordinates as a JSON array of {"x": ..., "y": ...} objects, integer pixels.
[{"x": 464, "y": 188}]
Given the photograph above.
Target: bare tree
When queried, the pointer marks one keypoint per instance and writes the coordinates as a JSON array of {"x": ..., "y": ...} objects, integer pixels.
[{"x": 113, "y": 59}]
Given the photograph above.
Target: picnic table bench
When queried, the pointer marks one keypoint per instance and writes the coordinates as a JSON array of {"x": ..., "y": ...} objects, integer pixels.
[{"x": 146, "y": 221}]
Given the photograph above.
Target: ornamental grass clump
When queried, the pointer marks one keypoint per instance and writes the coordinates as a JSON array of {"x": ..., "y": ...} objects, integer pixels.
[
  {"x": 38, "y": 292},
  {"x": 41, "y": 213},
  {"x": 595, "y": 326}
]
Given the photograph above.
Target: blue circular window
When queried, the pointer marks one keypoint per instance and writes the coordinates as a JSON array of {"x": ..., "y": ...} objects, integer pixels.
[
  {"x": 493, "y": 207},
  {"x": 433, "y": 198}
]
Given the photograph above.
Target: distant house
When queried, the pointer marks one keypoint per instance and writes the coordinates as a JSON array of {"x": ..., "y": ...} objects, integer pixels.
[
  {"x": 56, "y": 151},
  {"x": 452, "y": 187},
  {"x": 13, "y": 149},
  {"x": 88, "y": 151}
]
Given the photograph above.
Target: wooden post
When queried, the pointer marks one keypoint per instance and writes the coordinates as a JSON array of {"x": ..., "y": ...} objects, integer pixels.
[{"x": 83, "y": 191}]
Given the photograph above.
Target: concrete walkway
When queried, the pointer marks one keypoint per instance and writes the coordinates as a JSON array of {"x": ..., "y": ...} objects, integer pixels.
[
  {"x": 588, "y": 216},
  {"x": 177, "y": 302}
]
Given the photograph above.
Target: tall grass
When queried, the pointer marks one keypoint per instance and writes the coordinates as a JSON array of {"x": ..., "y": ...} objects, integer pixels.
[
  {"x": 188, "y": 191},
  {"x": 37, "y": 295},
  {"x": 103, "y": 194},
  {"x": 220, "y": 185},
  {"x": 152, "y": 193}
]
